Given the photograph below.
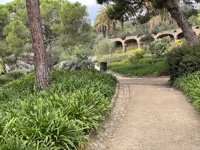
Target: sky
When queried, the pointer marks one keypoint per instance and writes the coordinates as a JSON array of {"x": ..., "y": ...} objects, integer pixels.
[{"x": 92, "y": 7}]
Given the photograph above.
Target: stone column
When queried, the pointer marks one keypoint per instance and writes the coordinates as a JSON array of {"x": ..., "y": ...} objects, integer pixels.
[
  {"x": 175, "y": 37},
  {"x": 138, "y": 43},
  {"x": 124, "y": 47}
]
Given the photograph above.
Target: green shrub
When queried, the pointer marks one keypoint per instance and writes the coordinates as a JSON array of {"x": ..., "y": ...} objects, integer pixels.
[
  {"x": 162, "y": 26},
  {"x": 159, "y": 46},
  {"x": 58, "y": 117},
  {"x": 183, "y": 60},
  {"x": 114, "y": 57},
  {"x": 137, "y": 55},
  {"x": 4, "y": 80},
  {"x": 1, "y": 68},
  {"x": 144, "y": 67},
  {"x": 190, "y": 85},
  {"x": 76, "y": 64},
  {"x": 118, "y": 51},
  {"x": 15, "y": 74},
  {"x": 104, "y": 46}
]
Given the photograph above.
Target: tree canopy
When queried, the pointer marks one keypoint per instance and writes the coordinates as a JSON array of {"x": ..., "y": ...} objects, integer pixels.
[
  {"x": 63, "y": 23},
  {"x": 145, "y": 8}
]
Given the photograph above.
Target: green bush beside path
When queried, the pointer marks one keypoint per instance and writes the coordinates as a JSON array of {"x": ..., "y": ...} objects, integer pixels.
[{"x": 190, "y": 85}]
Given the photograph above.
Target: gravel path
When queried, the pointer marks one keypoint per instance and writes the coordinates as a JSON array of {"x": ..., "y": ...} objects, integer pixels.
[{"x": 149, "y": 115}]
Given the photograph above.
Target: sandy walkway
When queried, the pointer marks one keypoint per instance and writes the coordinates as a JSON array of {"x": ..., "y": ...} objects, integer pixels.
[{"x": 148, "y": 115}]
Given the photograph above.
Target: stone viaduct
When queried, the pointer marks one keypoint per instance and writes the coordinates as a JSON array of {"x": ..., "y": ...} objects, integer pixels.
[{"x": 174, "y": 34}]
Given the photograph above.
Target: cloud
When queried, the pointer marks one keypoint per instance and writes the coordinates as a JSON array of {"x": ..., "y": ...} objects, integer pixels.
[
  {"x": 5, "y": 1},
  {"x": 85, "y": 2}
]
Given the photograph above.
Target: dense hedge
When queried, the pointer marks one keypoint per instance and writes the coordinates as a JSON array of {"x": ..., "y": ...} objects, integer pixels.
[
  {"x": 58, "y": 117},
  {"x": 183, "y": 60},
  {"x": 190, "y": 85}
]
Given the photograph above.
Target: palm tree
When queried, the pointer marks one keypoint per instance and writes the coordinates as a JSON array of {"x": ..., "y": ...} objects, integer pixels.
[
  {"x": 171, "y": 6},
  {"x": 103, "y": 24},
  {"x": 162, "y": 16}
]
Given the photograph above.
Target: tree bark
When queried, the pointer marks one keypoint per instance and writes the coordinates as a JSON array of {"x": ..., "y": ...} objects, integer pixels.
[
  {"x": 114, "y": 26},
  {"x": 108, "y": 28},
  {"x": 181, "y": 20},
  {"x": 122, "y": 24},
  {"x": 41, "y": 68}
]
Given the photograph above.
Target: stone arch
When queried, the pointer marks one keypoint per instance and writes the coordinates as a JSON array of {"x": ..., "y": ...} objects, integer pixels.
[
  {"x": 146, "y": 40},
  {"x": 118, "y": 43},
  {"x": 165, "y": 35},
  {"x": 131, "y": 43},
  {"x": 180, "y": 36},
  {"x": 196, "y": 29}
]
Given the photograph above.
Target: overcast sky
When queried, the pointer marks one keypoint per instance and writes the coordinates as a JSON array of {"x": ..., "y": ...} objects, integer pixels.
[{"x": 92, "y": 7}]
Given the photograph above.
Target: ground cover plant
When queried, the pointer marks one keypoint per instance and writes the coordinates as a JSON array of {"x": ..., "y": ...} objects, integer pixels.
[
  {"x": 58, "y": 117},
  {"x": 190, "y": 85},
  {"x": 8, "y": 77},
  {"x": 143, "y": 67}
]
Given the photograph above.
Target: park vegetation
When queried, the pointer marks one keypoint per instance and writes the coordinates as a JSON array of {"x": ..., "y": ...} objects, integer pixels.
[
  {"x": 59, "y": 117},
  {"x": 174, "y": 58},
  {"x": 62, "y": 115}
]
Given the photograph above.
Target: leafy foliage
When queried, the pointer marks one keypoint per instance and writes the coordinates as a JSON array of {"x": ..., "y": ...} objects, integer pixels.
[
  {"x": 195, "y": 19},
  {"x": 183, "y": 60},
  {"x": 8, "y": 77},
  {"x": 143, "y": 67},
  {"x": 162, "y": 26},
  {"x": 75, "y": 27},
  {"x": 82, "y": 63},
  {"x": 65, "y": 24},
  {"x": 138, "y": 54},
  {"x": 159, "y": 47},
  {"x": 4, "y": 79},
  {"x": 188, "y": 10},
  {"x": 104, "y": 46},
  {"x": 190, "y": 85},
  {"x": 58, "y": 117}
]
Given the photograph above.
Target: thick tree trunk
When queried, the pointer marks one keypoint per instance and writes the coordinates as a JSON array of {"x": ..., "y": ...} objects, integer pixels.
[
  {"x": 122, "y": 24},
  {"x": 181, "y": 20},
  {"x": 108, "y": 28},
  {"x": 114, "y": 26},
  {"x": 104, "y": 31},
  {"x": 41, "y": 69}
]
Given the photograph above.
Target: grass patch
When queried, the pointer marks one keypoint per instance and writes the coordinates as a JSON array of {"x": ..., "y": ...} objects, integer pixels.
[
  {"x": 144, "y": 67},
  {"x": 58, "y": 117},
  {"x": 190, "y": 85}
]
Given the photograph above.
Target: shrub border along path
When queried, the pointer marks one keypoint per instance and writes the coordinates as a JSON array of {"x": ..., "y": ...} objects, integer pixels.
[
  {"x": 154, "y": 116},
  {"x": 58, "y": 117}
]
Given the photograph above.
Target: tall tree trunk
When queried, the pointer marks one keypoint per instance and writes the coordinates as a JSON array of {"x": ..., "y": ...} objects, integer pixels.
[
  {"x": 122, "y": 24},
  {"x": 114, "y": 26},
  {"x": 41, "y": 68},
  {"x": 181, "y": 20},
  {"x": 108, "y": 28},
  {"x": 104, "y": 31}
]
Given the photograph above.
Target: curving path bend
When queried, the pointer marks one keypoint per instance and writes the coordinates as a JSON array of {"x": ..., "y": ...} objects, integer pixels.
[{"x": 149, "y": 115}]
